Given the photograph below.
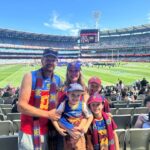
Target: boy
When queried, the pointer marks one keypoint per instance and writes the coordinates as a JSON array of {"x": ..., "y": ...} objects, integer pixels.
[
  {"x": 101, "y": 135},
  {"x": 72, "y": 111}
]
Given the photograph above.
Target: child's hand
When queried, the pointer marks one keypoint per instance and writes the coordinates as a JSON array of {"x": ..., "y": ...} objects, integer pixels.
[
  {"x": 62, "y": 132},
  {"x": 74, "y": 134},
  {"x": 77, "y": 129},
  {"x": 80, "y": 129}
]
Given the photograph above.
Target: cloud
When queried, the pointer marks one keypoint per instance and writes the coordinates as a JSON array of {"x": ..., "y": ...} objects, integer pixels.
[{"x": 56, "y": 23}]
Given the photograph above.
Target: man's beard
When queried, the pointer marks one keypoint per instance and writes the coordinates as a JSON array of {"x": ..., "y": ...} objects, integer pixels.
[{"x": 48, "y": 68}]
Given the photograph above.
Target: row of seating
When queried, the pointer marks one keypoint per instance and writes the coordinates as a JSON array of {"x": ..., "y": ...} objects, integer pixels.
[
  {"x": 5, "y": 106},
  {"x": 126, "y": 105},
  {"x": 8, "y": 127},
  {"x": 125, "y": 121},
  {"x": 5, "y": 109},
  {"x": 134, "y": 139},
  {"x": 10, "y": 116},
  {"x": 130, "y": 139},
  {"x": 6, "y": 100},
  {"x": 123, "y": 111}
]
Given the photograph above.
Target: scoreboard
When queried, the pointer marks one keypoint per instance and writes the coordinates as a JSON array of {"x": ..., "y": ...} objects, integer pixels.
[{"x": 89, "y": 36}]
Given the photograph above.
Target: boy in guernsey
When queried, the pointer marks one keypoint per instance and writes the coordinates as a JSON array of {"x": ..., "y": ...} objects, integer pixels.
[
  {"x": 101, "y": 134},
  {"x": 72, "y": 111}
]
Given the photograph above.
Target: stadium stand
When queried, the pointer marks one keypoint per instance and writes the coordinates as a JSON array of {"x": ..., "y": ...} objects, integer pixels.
[{"x": 126, "y": 44}]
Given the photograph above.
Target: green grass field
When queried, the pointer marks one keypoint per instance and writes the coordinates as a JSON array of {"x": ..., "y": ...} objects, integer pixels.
[{"x": 128, "y": 72}]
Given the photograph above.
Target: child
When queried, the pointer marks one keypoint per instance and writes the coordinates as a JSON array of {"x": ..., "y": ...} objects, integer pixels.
[
  {"x": 73, "y": 75},
  {"x": 94, "y": 86},
  {"x": 102, "y": 129},
  {"x": 72, "y": 111}
]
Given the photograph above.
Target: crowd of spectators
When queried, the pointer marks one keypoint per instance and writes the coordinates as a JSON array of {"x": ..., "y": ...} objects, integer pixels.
[
  {"x": 9, "y": 95},
  {"x": 118, "y": 92}
]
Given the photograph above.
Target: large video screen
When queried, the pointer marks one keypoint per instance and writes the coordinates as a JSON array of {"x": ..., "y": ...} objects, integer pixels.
[{"x": 89, "y": 36}]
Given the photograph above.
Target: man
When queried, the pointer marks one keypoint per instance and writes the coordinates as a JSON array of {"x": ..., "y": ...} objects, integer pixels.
[
  {"x": 36, "y": 103},
  {"x": 144, "y": 82}
]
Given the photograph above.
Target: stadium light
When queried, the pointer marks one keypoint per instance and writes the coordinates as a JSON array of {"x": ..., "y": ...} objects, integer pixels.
[{"x": 96, "y": 16}]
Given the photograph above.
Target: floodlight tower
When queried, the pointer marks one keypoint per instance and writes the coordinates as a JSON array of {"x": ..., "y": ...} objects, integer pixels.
[{"x": 96, "y": 16}]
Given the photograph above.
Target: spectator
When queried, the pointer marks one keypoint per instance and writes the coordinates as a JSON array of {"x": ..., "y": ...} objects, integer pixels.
[
  {"x": 143, "y": 120},
  {"x": 102, "y": 134},
  {"x": 14, "y": 105},
  {"x": 72, "y": 110},
  {"x": 34, "y": 103},
  {"x": 94, "y": 86},
  {"x": 144, "y": 82}
]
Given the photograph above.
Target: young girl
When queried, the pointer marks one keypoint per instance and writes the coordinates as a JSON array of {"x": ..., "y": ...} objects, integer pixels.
[
  {"x": 94, "y": 86},
  {"x": 72, "y": 111},
  {"x": 101, "y": 134}
]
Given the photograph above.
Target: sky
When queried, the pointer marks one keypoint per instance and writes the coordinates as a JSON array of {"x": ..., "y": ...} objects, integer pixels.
[{"x": 67, "y": 17}]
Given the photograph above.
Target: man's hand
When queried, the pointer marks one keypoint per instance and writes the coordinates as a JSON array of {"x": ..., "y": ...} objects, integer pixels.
[
  {"x": 53, "y": 115},
  {"x": 80, "y": 129},
  {"x": 74, "y": 134}
]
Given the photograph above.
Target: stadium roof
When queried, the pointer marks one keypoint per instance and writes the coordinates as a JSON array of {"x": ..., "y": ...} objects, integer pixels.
[
  {"x": 35, "y": 36},
  {"x": 130, "y": 30},
  {"x": 57, "y": 38}
]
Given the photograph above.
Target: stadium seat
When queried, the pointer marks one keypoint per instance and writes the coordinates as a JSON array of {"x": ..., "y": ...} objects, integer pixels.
[
  {"x": 2, "y": 117},
  {"x": 1, "y": 101},
  {"x": 1, "y": 110},
  {"x": 13, "y": 116},
  {"x": 141, "y": 97},
  {"x": 141, "y": 110},
  {"x": 121, "y": 138},
  {"x": 9, "y": 142},
  {"x": 137, "y": 139},
  {"x": 6, "y": 127},
  {"x": 122, "y": 121},
  {"x": 124, "y": 105},
  {"x": 5, "y": 106},
  {"x": 123, "y": 111},
  {"x": 16, "y": 125},
  {"x": 8, "y": 100},
  {"x": 139, "y": 101},
  {"x": 135, "y": 105},
  {"x": 113, "y": 111},
  {"x": 6, "y": 110}
]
